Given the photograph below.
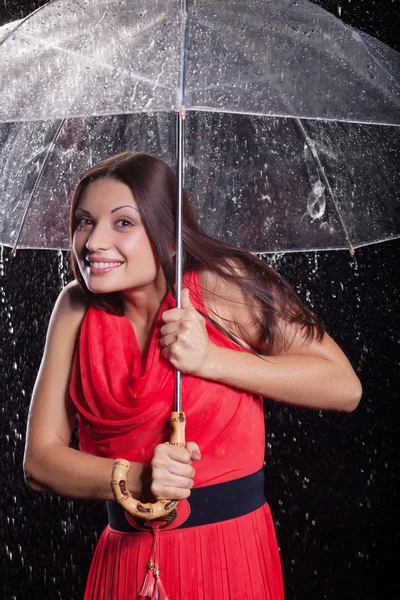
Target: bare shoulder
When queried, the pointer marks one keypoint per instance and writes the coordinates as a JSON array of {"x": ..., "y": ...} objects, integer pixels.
[
  {"x": 217, "y": 290},
  {"x": 69, "y": 310},
  {"x": 72, "y": 298},
  {"x": 230, "y": 305}
]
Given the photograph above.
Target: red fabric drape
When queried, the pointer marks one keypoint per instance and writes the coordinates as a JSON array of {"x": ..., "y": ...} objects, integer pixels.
[{"x": 124, "y": 402}]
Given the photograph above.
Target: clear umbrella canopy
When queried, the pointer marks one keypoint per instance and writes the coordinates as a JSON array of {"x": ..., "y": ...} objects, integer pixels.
[
  {"x": 255, "y": 182},
  {"x": 291, "y": 138},
  {"x": 276, "y": 58}
]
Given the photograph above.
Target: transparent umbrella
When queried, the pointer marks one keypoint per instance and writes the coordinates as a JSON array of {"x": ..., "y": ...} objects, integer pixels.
[{"x": 291, "y": 134}]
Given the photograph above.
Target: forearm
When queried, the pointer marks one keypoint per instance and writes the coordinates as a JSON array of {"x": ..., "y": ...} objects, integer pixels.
[
  {"x": 64, "y": 471},
  {"x": 302, "y": 380}
]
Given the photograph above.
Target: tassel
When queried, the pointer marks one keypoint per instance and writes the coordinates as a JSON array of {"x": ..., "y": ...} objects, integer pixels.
[
  {"x": 159, "y": 591},
  {"x": 148, "y": 583},
  {"x": 152, "y": 587}
]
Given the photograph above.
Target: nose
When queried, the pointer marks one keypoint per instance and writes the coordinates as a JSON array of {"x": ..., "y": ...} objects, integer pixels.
[{"x": 99, "y": 239}]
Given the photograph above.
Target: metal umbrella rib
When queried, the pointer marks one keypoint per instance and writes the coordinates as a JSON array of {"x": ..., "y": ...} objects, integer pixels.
[
  {"x": 314, "y": 152},
  {"x": 37, "y": 183}
]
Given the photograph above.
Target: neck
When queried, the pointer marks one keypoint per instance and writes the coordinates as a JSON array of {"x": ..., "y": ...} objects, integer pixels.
[{"x": 141, "y": 305}]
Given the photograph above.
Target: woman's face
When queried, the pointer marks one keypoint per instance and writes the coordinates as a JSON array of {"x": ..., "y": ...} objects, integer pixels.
[{"x": 110, "y": 243}]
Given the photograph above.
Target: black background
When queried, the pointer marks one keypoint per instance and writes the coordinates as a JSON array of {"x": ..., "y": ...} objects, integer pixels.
[{"x": 332, "y": 478}]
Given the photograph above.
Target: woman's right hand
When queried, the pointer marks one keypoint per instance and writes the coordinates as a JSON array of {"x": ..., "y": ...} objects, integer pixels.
[{"x": 172, "y": 470}]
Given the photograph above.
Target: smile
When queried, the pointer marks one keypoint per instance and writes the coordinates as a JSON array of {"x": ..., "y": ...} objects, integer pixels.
[
  {"x": 104, "y": 265},
  {"x": 102, "y": 268}
]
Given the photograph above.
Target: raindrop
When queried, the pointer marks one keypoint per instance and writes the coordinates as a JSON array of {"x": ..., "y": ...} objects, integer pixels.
[{"x": 316, "y": 202}]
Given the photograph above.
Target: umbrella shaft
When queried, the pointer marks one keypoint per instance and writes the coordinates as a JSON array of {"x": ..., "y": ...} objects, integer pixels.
[{"x": 179, "y": 253}]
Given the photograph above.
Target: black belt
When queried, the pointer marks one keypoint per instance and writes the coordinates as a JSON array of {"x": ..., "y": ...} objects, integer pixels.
[{"x": 209, "y": 504}]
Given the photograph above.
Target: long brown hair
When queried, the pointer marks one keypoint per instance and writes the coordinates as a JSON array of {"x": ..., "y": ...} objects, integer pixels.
[{"x": 154, "y": 186}]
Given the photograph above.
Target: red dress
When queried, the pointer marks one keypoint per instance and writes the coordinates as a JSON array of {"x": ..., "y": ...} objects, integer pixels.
[{"x": 124, "y": 405}]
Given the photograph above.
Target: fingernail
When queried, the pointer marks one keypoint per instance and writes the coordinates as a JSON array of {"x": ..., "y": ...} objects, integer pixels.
[{"x": 196, "y": 455}]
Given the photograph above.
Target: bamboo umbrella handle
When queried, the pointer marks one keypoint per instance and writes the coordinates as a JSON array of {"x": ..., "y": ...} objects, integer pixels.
[{"x": 119, "y": 484}]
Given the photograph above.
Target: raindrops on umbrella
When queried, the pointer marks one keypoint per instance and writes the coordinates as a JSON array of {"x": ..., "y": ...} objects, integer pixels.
[{"x": 257, "y": 84}]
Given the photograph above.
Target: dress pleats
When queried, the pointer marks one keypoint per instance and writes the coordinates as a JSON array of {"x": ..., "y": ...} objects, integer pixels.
[{"x": 232, "y": 560}]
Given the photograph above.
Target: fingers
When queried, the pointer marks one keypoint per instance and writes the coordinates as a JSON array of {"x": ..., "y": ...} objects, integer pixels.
[
  {"x": 168, "y": 328},
  {"x": 173, "y": 315},
  {"x": 194, "y": 450},
  {"x": 168, "y": 454},
  {"x": 171, "y": 487},
  {"x": 173, "y": 332},
  {"x": 185, "y": 300},
  {"x": 172, "y": 471},
  {"x": 185, "y": 344},
  {"x": 177, "y": 314},
  {"x": 167, "y": 340},
  {"x": 183, "y": 326}
]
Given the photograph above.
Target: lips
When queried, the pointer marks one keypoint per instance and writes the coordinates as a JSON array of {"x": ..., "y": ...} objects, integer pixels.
[{"x": 102, "y": 266}]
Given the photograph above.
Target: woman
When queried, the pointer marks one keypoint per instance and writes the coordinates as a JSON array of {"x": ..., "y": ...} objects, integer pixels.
[{"x": 113, "y": 343}]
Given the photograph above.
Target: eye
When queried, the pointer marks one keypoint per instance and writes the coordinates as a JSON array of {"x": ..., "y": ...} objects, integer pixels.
[
  {"x": 124, "y": 223},
  {"x": 82, "y": 223}
]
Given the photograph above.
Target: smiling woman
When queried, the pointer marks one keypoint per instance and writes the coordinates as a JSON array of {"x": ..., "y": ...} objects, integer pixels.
[
  {"x": 110, "y": 243},
  {"x": 114, "y": 342}
]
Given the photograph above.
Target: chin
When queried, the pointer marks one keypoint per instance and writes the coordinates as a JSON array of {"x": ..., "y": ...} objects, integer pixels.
[{"x": 101, "y": 288}]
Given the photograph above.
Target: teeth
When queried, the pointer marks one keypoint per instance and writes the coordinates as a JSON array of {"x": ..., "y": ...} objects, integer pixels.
[{"x": 104, "y": 265}]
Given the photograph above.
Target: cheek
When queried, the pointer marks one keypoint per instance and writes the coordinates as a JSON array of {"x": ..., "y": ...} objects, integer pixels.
[
  {"x": 78, "y": 243},
  {"x": 75, "y": 245},
  {"x": 139, "y": 249}
]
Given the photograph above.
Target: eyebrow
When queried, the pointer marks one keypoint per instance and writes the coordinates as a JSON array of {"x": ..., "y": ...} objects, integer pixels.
[
  {"x": 124, "y": 206},
  {"x": 113, "y": 210}
]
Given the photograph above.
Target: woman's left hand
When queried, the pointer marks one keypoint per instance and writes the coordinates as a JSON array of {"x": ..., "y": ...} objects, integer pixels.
[{"x": 184, "y": 340}]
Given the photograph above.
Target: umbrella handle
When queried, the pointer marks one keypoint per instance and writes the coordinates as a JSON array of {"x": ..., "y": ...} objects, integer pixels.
[{"x": 119, "y": 484}]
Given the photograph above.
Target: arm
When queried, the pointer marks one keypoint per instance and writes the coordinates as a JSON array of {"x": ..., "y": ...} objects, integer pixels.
[
  {"x": 314, "y": 375},
  {"x": 49, "y": 463}
]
